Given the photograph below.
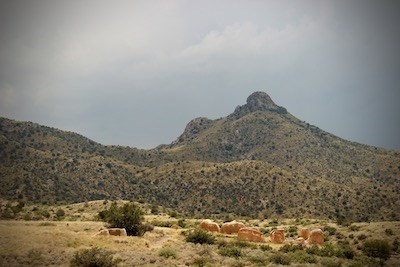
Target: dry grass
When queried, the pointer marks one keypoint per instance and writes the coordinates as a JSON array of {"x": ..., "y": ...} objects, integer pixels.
[{"x": 53, "y": 243}]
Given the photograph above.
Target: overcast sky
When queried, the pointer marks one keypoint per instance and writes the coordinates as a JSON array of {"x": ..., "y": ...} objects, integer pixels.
[{"x": 135, "y": 72}]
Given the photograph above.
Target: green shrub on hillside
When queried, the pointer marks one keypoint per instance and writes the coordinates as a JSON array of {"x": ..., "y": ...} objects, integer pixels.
[
  {"x": 265, "y": 247},
  {"x": 230, "y": 251},
  {"x": 162, "y": 223},
  {"x": 301, "y": 256},
  {"x": 200, "y": 237},
  {"x": 330, "y": 250},
  {"x": 60, "y": 214},
  {"x": 377, "y": 248},
  {"x": 129, "y": 216},
  {"x": 364, "y": 261},
  {"x": 280, "y": 258},
  {"x": 93, "y": 257},
  {"x": 331, "y": 230},
  {"x": 243, "y": 244},
  {"x": 290, "y": 248},
  {"x": 167, "y": 253}
]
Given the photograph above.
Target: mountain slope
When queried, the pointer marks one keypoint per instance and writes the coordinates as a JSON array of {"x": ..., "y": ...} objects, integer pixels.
[
  {"x": 261, "y": 130},
  {"x": 258, "y": 161}
]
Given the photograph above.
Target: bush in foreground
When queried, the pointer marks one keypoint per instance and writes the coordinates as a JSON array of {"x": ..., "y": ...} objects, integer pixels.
[
  {"x": 200, "y": 237},
  {"x": 93, "y": 257},
  {"x": 129, "y": 216}
]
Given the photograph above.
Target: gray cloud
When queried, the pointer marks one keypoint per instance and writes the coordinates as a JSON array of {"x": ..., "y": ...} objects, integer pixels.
[{"x": 135, "y": 72}]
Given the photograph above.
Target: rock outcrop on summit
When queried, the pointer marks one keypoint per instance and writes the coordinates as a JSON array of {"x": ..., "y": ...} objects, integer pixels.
[
  {"x": 257, "y": 101},
  {"x": 193, "y": 128}
]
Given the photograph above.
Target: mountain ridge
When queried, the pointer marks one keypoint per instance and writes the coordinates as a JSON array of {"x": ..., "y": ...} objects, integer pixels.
[{"x": 260, "y": 157}]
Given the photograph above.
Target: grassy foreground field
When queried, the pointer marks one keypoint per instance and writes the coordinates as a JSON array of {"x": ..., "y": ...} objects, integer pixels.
[{"x": 53, "y": 242}]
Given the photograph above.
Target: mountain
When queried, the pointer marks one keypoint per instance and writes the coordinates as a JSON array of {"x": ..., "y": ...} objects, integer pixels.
[
  {"x": 258, "y": 161},
  {"x": 261, "y": 130}
]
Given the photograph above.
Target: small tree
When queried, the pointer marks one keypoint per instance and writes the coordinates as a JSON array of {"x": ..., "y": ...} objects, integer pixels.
[{"x": 129, "y": 216}]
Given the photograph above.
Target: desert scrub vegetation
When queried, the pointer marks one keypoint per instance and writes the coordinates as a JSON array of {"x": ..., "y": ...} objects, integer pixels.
[
  {"x": 129, "y": 216},
  {"x": 265, "y": 247},
  {"x": 159, "y": 223},
  {"x": 330, "y": 250},
  {"x": 290, "y": 248},
  {"x": 199, "y": 237},
  {"x": 93, "y": 257},
  {"x": 280, "y": 258},
  {"x": 230, "y": 251},
  {"x": 377, "y": 248},
  {"x": 243, "y": 244},
  {"x": 167, "y": 253},
  {"x": 301, "y": 256}
]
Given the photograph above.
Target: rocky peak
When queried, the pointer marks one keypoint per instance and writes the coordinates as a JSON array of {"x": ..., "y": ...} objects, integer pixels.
[
  {"x": 193, "y": 128},
  {"x": 260, "y": 101},
  {"x": 257, "y": 101}
]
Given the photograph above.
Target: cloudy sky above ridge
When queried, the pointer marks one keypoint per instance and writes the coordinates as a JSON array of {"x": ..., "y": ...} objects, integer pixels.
[{"x": 135, "y": 72}]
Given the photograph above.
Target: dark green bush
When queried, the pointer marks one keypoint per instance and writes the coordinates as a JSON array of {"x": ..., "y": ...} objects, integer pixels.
[
  {"x": 389, "y": 231},
  {"x": 354, "y": 227},
  {"x": 300, "y": 256},
  {"x": 364, "y": 261},
  {"x": 154, "y": 209},
  {"x": 348, "y": 252},
  {"x": 260, "y": 259},
  {"x": 331, "y": 262},
  {"x": 162, "y": 223},
  {"x": 331, "y": 230},
  {"x": 328, "y": 250},
  {"x": 60, "y": 213},
  {"x": 230, "y": 251},
  {"x": 377, "y": 248},
  {"x": 173, "y": 214},
  {"x": 292, "y": 230},
  {"x": 200, "y": 237},
  {"x": 129, "y": 216},
  {"x": 361, "y": 237},
  {"x": 93, "y": 257},
  {"x": 182, "y": 223},
  {"x": 280, "y": 258},
  {"x": 265, "y": 247},
  {"x": 243, "y": 244},
  {"x": 167, "y": 253},
  {"x": 222, "y": 243},
  {"x": 395, "y": 245}
]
